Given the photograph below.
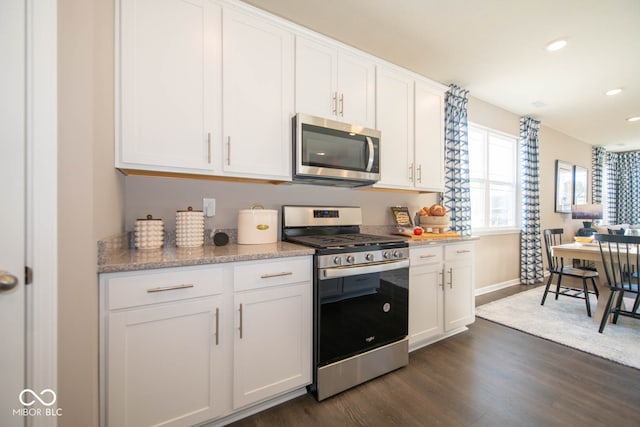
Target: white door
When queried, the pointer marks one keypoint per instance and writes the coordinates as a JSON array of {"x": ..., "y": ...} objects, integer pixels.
[
  {"x": 429, "y": 138},
  {"x": 356, "y": 96},
  {"x": 12, "y": 224}
]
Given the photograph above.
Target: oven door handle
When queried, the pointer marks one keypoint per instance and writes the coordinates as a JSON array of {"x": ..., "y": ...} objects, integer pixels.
[{"x": 335, "y": 272}]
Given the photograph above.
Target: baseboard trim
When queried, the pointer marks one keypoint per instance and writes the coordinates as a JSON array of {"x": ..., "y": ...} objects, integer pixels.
[{"x": 498, "y": 286}]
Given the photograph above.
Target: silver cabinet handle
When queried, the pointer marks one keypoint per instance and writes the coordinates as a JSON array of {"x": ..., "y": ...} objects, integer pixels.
[
  {"x": 427, "y": 256},
  {"x": 342, "y": 104},
  {"x": 451, "y": 278},
  {"x": 410, "y": 171},
  {"x": 209, "y": 147},
  {"x": 170, "y": 288},
  {"x": 463, "y": 251},
  {"x": 228, "y": 150},
  {"x": 217, "y": 325},
  {"x": 441, "y": 274},
  {"x": 419, "y": 173},
  {"x": 7, "y": 281},
  {"x": 269, "y": 276},
  {"x": 240, "y": 321},
  {"x": 335, "y": 103}
]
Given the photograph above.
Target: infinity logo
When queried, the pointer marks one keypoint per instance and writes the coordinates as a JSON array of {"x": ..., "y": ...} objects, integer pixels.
[{"x": 37, "y": 397}]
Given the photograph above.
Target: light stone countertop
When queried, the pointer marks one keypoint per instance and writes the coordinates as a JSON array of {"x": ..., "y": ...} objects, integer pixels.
[
  {"x": 118, "y": 260},
  {"x": 115, "y": 254}
]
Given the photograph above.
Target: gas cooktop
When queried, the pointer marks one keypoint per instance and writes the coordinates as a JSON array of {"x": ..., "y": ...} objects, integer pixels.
[{"x": 326, "y": 241}]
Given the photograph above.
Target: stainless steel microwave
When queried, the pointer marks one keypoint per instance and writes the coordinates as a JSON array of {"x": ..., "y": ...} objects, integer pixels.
[{"x": 328, "y": 152}]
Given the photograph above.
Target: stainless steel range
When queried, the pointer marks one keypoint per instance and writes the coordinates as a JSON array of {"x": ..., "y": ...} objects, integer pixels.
[{"x": 361, "y": 296}]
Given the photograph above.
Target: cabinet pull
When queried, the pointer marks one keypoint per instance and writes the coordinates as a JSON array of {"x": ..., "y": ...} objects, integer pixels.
[
  {"x": 169, "y": 288},
  {"x": 229, "y": 150},
  {"x": 441, "y": 274},
  {"x": 217, "y": 324},
  {"x": 335, "y": 103},
  {"x": 463, "y": 251},
  {"x": 410, "y": 171},
  {"x": 342, "y": 104},
  {"x": 240, "y": 321},
  {"x": 451, "y": 278},
  {"x": 269, "y": 276},
  {"x": 209, "y": 147},
  {"x": 420, "y": 173},
  {"x": 427, "y": 256}
]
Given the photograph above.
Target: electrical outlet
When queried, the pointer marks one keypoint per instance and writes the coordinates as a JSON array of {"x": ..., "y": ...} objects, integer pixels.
[{"x": 209, "y": 207}]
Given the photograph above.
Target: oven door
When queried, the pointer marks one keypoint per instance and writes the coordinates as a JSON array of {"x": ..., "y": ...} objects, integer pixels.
[
  {"x": 360, "y": 308},
  {"x": 334, "y": 150}
]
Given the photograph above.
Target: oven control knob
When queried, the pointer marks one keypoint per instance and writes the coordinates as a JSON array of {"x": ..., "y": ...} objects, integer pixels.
[
  {"x": 386, "y": 255},
  {"x": 337, "y": 260},
  {"x": 397, "y": 254},
  {"x": 350, "y": 259},
  {"x": 369, "y": 257}
]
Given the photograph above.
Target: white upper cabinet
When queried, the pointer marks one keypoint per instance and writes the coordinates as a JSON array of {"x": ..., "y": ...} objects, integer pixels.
[
  {"x": 394, "y": 118},
  {"x": 410, "y": 115},
  {"x": 334, "y": 83},
  {"x": 257, "y": 96},
  {"x": 429, "y": 137},
  {"x": 168, "y": 85}
]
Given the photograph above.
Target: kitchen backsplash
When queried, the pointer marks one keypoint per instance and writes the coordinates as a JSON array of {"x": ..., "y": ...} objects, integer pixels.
[{"x": 162, "y": 197}]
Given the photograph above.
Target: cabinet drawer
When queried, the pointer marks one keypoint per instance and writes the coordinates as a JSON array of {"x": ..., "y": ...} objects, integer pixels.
[
  {"x": 259, "y": 274},
  {"x": 150, "y": 288},
  {"x": 458, "y": 252},
  {"x": 426, "y": 255}
]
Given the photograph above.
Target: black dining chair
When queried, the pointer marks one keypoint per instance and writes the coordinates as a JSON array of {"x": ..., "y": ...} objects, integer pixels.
[
  {"x": 620, "y": 259},
  {"x": 553, "y": 237}
]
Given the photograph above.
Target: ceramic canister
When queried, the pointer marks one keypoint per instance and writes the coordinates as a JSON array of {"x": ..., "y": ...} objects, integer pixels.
[
  {"x": 189, "y": 228},
  {"x": 149, "y": 233},
  {"x": 257, "y": 226}
]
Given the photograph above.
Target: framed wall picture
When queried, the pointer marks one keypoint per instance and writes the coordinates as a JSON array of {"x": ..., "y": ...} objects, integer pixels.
[
  {"x": 580, "y": 185},
  {"x": 564, "y": 187}
]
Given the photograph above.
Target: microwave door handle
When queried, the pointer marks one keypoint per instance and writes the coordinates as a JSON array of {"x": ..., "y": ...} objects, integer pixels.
[{"x": 371, "y": 154}]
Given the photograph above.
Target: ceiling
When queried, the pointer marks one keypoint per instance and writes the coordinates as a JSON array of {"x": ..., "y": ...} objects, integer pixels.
[{"x": 496, "y": 50}]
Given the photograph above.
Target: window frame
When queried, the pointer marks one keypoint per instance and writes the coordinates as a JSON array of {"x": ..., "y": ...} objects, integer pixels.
[{"x": 487, "y": 229}]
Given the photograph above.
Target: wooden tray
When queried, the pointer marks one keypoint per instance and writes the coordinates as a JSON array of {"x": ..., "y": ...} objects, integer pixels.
[{"x": 431, "y": 236}]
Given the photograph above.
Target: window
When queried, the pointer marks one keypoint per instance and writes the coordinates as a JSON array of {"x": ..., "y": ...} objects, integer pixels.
[{"x": 493, "y": 171}]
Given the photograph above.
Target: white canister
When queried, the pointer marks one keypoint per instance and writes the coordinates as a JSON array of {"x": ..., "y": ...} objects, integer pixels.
[
  {"x": 149, "y": 233},
  {"x": 257, "y": 226},
  {"x": 189, "y": 228}
]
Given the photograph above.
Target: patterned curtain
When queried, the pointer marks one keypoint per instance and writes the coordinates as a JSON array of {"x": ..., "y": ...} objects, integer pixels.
[
  {"x": 531, "y": 267},
  {"x": 624, "y": 187},
  {"x": 597, "y": 173},
  {"x": 457, "y": 196}
]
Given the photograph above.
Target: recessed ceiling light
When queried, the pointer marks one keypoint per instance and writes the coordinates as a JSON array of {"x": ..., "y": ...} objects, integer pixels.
[
  {"x": 556, "y": 45},
  {"x": 613, "y": 91},
  {"x": 633, "y": 119}
]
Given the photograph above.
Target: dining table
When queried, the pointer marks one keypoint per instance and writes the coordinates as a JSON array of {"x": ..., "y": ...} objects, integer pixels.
[{"x": 587, "y": 252}]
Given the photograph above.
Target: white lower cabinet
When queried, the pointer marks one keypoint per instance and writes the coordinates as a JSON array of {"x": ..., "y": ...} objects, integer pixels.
[
  {"x": 441, "y": 292},
  {"x": 187, "y": 345}
]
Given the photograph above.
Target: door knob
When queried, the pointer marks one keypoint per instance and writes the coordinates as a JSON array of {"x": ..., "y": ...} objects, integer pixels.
[{"x": 7, "y": 281}]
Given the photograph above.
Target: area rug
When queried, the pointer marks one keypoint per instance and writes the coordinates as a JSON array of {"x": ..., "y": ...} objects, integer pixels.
[{"x": 565, "y": 321}]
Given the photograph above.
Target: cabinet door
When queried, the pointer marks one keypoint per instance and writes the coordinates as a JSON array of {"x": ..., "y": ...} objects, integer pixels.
[
  {"x": 425, "y": 302},
  {"x": 257, "y": 97},
  {"x": 394, "y": 118},
  {"x": 459, "y": 298},
  {"x": 169, "y": 84},
  {"x": 166, "y": 364},
  {"x": 356, "y": 90},
  {"x": 272, "y": 346},
  {"x": 429, "y": 138},
  {"x": 316, "y": 79}
]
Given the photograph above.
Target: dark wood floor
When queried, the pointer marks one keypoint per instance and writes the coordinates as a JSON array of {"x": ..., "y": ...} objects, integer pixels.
[{"x": 490, "y": 375}]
